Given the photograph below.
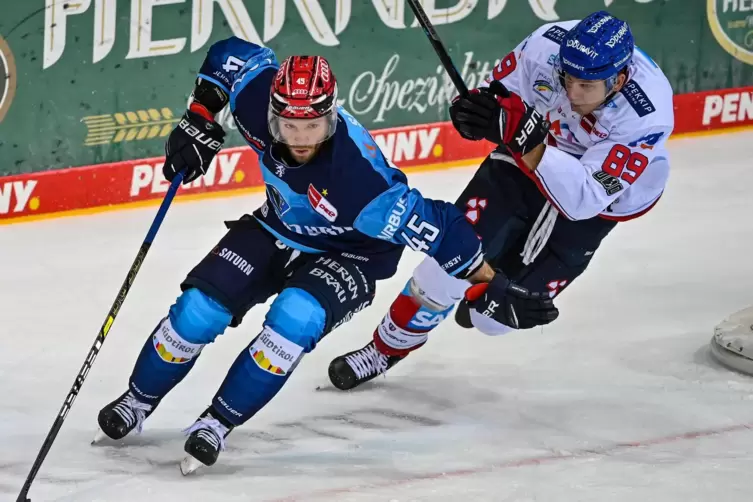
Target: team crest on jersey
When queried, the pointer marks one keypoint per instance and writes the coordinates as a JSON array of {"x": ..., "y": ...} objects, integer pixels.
[
  {"x": 543, "y": 86},
  {"x": 321, "y": 205},
  {"x": 279, "y": 203}
]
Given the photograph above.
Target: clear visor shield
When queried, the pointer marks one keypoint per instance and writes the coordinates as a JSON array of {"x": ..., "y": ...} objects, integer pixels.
[{"x": 301, "y": 132}]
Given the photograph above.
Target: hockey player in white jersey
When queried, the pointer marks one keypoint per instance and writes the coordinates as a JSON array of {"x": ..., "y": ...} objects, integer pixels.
[{"x": 581, "y": 117}]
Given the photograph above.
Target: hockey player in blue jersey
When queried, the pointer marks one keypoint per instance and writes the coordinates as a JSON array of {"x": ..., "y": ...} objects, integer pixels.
[{"x": 336, "y": 219}]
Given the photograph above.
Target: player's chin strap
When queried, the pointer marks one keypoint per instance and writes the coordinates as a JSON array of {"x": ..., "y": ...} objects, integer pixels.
[
  {"x": 539, "y": 234},
  {"x": 612, "y": 93}
]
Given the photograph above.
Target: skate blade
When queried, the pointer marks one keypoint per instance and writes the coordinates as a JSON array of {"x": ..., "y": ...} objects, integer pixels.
[
  {"x": 189, "y": 464},
  {"x": 98, "y": 437}
]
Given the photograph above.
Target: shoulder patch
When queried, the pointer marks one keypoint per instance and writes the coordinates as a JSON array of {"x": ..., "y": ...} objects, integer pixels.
[
  {"x": 556, "y": 34},
  {"x": 637, "y": 99}
]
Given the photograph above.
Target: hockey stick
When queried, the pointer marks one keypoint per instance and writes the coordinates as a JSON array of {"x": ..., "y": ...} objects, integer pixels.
[
  {"x": 94, "y": 350},
  {"x": 444, "y": 57},
  {"x": 449, "y": 66}
]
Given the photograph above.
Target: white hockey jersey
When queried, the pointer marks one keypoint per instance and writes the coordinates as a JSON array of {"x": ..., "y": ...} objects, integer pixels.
[{"x": 611, "y": 163}]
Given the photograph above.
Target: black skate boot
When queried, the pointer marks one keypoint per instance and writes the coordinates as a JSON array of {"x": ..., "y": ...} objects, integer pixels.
[
  {"x": 206, "y": 439},
  {"x": 350, "y": 370},
  {"x": 121, "y": 416}
]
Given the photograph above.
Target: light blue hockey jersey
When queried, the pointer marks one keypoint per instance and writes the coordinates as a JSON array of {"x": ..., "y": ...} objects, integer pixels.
[{"x": 348, "y": 199}]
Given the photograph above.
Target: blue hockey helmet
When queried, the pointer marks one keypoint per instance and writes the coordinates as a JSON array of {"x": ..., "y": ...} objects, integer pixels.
[{"x": 597, "y": 48}]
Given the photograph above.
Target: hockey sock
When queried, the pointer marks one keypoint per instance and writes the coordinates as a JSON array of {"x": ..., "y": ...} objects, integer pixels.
[
  {"x": 292, "y": 327},
  {"x": 256, "y": 376},
  {"x": 175, "y": 344},
  {"x": 407, "y": 324},
  {"x": 160, "y": 367}
]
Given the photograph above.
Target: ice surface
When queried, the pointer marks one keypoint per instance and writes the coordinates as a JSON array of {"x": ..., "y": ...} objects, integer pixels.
[{"x": 617, "y": 401}]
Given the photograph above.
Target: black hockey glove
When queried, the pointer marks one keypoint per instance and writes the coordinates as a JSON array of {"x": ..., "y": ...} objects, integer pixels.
[
  {"x": 500, "y": 116},
  {"x": 511, "y": 304},
  {"x": 191, "y": 146},
  {"x": 475, "y": 116}
]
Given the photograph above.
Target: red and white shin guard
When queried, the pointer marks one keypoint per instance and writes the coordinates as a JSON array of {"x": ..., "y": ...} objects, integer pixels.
[
  {"x": 394, "y": 335},
  {"x": 427, "y": 300}
]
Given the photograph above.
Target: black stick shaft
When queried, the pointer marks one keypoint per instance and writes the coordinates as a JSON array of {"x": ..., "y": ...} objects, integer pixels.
[
  {"x": 94, "y": 350},
  {"x": 444, "y": 57}
]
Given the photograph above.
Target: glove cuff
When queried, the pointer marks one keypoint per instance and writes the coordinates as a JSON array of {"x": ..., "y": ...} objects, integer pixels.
[
  {"x": 202, "y": 110},
  {"x": 476, "y": 291}
]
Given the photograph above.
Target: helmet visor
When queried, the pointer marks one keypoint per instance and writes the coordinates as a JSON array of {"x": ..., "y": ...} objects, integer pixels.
[{"x": 300, "y": 132}]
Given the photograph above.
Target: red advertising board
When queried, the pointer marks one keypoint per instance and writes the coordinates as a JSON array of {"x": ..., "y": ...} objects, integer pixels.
[{"x": 427, "y": 145}]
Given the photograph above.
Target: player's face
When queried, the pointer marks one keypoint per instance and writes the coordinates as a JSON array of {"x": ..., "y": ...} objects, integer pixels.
[
  {"x": 585, "y": 95},
  {"x": 303, "y": 136}
]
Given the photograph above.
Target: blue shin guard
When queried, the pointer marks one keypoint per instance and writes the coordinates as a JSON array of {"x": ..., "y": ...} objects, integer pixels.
[
  {"x": 173, "y": 347},
  {"x": 293, "y": 326}
]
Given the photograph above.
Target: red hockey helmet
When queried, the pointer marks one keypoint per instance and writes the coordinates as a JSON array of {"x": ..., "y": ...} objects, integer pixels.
[{"x": 303, "y": 101}]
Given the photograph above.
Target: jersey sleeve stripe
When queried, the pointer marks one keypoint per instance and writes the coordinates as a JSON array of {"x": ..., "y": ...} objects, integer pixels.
[
  {"x": 632, "y": 216},
  {"x": 541, "y": 183}
]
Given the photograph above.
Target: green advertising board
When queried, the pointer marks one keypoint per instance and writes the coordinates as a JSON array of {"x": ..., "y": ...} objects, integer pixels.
[{"x": 93, "y": 81}]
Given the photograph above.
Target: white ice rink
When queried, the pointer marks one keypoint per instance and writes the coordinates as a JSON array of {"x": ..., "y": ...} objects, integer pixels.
[{"x": 616, "y": 401}]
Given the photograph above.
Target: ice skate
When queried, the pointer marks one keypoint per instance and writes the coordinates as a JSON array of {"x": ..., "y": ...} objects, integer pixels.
[
  {"x": 206, "y": 439},
  {"x": 121, "y": 416},
  {"x": 350, "y": 370}
]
